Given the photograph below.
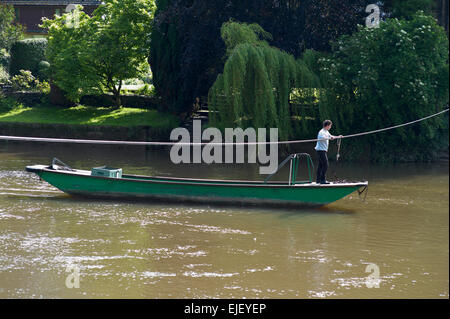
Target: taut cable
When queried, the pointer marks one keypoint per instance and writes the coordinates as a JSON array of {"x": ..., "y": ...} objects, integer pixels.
[{"x": 136, "y": 143}]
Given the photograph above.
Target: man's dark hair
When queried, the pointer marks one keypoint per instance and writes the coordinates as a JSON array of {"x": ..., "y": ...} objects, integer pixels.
[{"x": 326, "y": 123}]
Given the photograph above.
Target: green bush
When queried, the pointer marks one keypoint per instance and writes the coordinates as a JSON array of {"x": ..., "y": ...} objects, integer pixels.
[
  {"x": 385, "y": 76},
  {"x": 44, "y": 70},
  {"x": 4, "y": 76},
  {"x": 147, "y": 76},
  {"x": 146, "y": 90},
  {"x": 5, "y": 58},
  {"x": 8, "y": 103},
  {"x": 25, "y": 81},
  {"x": 27, "y": 54},
  {"x": 405, "y": 9}
]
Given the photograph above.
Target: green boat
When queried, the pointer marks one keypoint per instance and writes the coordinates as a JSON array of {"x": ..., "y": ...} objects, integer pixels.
[{"x": 107, "y": 182}]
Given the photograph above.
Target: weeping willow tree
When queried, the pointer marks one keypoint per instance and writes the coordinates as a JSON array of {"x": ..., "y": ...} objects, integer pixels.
[{"x": 256, "y": 83}]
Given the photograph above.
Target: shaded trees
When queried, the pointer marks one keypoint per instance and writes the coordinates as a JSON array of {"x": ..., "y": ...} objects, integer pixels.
[
  {"x": 327, "y": 20},
  {"x": 386, "y": 76},
  {"x": 405, "y": 9},
  {"x": 187, "y": 52}
]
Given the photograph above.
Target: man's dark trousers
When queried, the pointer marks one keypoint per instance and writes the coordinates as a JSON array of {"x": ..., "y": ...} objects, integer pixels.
[{"x": 322, "y": 167}]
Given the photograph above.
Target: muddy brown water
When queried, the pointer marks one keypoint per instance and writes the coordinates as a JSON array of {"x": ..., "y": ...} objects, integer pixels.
[{"x": 392, "y": 245}]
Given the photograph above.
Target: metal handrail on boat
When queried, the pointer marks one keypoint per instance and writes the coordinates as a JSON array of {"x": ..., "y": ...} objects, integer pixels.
[
  {"x": 63, "y": 165},
  {"x": 294, "y": 160}
]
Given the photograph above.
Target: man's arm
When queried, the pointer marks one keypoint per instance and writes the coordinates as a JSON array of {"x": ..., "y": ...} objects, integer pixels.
[{"x": 333, "y": 136}]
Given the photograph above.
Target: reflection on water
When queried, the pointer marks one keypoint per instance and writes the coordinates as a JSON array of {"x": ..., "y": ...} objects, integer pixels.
[{"x": 126, "y": 249}]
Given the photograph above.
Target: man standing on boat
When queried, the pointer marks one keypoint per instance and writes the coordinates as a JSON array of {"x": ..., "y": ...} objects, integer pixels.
[{"x": 322, "y": 148}]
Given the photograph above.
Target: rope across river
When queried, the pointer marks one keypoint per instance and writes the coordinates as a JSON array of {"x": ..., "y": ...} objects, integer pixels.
[{"x": 138, "y": 143}]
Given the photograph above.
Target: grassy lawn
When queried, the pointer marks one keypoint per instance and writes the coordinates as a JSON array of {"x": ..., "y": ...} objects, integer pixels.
[{"x": 88, "y": 115}]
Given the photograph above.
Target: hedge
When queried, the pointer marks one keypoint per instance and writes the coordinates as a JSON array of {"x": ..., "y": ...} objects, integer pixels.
[
  {"x": 26, "y": 55},
  {"x": 133, "y": 101},
  {"x": 5, "y": 59},
  {"x": 4, "y": 76}
]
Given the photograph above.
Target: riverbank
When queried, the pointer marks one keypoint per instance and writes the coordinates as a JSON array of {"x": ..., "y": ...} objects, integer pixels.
[
  {"x": 125, "y": 124},
  {"x": 78, "y": 131},
  {"x": 86, "y": 122},
  {"x": 15, "y": 112}
]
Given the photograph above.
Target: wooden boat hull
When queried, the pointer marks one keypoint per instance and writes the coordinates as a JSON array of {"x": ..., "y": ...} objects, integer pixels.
[{"x": 79, "y": 182}]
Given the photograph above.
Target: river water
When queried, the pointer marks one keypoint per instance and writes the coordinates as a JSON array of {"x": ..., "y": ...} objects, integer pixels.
[{"x": 395, "y": 244}]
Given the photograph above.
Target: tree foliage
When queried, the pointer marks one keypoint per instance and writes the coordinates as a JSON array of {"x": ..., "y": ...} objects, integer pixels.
[
  {"x": 10, "y": 32},
  {"x": 254, "y": 88},
  {"x": 386, "y": 76},
  {"x": 98, "y": 53},
  {"x": 327, "y": 20},
  {"x": 187, "y": 50},
  {"x": 405, "y": 9},
  {"x": 68, "y": 69}
]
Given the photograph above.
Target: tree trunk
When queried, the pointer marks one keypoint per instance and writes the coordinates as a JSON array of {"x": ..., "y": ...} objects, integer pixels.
[
  {"x": 117, "y": 91},
  {"x": 57, "y": 96},
  {"x": 117, "y": 99}
]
